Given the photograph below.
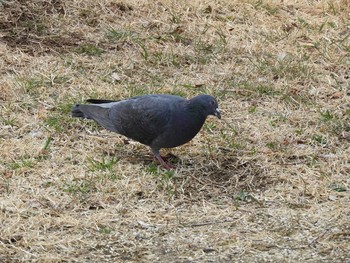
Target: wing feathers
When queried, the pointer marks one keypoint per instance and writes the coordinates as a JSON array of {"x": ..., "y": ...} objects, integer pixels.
[{"x": 97, "y": 101}]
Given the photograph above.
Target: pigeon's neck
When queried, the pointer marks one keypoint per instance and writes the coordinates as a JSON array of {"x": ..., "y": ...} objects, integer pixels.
[{"x": 196, "y": 113}]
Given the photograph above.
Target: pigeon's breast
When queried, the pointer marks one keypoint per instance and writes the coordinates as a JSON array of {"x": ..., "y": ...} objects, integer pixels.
[{"x": 179, "y": 131}]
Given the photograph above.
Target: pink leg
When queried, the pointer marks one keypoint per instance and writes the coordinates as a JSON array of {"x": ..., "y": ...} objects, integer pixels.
[{"x": 167, "y": 166}]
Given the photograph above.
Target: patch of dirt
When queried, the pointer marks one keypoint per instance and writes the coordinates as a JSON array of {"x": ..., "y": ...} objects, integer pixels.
[
  {"x": 33, "y": 26},
  {"x": 25, "y": 25},
  {"x": 227, "y": 179},
  {"x": 36, "y": 45}
]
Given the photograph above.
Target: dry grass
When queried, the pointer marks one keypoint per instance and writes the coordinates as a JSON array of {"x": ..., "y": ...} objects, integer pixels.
[{"x": 270, "y": 182}]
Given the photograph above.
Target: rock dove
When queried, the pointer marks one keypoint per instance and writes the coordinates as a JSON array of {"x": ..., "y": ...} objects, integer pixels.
[{"x": 159, "y": 120}]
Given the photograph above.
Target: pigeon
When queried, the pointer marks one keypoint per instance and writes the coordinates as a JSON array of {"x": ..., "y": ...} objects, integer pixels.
[{"x": 156, "y": 120}]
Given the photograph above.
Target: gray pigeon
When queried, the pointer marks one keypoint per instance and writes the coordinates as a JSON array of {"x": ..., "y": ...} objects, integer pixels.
[{"x": 159, "y": 121}]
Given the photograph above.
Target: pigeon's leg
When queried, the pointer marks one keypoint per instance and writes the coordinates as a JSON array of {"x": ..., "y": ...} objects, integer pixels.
[{"x": 162, "y": 162}]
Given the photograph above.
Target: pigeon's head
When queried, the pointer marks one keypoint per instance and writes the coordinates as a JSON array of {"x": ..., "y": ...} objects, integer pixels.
[{"x": 208, "y": 105}]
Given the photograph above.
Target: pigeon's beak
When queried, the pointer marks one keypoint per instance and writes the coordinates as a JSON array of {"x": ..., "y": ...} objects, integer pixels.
[{"x": 217, "y": 113}]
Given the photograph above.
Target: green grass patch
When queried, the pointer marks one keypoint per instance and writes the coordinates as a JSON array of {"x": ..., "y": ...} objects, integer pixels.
[
  {"x": 89, "y": 49},
  {"x": 319, "y": 139},
  {"x": 31, "y": 84},
  {"x": 80, "y": 187},
  {"x": 65, "y": 108},
  {"x": 243, "y": 195},
  {"x": 326, "y": 116},
  {"x": 338, "y": 187},
  {"x": 105, "y": 230},
  {"x": 167, "y": 183},
  {"x": 106, "y": 164},
  {"x": 47, "y": 143},
  {"x": 8, "y": 121},
  {"x": 22, "y": 163},
  {"x": 55, "y": 122}
]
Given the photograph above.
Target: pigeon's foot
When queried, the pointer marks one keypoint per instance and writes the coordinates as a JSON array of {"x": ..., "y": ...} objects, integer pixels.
[
  {"x": 166, "y": 165},
  {"x": 169, "y": 156}
]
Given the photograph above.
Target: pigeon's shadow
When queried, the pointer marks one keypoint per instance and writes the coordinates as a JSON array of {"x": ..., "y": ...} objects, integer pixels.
[
  {"x": 225, "y": 177},
  {"x": 147, "y": 158}
]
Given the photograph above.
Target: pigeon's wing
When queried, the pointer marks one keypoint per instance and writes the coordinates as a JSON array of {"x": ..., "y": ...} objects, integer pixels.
[{"x": 144, "y": 118}]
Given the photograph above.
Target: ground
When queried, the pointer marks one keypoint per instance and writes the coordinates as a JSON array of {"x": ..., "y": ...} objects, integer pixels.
[{"x": 267, "y": 183}]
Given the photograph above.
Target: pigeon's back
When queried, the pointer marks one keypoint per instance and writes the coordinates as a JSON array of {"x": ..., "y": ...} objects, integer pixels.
[{"x": 145, "y": 118}]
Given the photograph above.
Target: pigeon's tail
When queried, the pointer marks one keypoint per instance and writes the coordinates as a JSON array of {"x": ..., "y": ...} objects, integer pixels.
[
  {"x": 77, "y": 113},
  {"x": 95, "y": 112},
  {"x": 89, "y": 111},
  {"x": 86, "y": 111},
  {"x": 96, "y": 101}
]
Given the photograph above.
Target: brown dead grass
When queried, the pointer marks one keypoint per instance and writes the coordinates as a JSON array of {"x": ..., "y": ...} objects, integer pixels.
[{"x": 268, "y": 183}]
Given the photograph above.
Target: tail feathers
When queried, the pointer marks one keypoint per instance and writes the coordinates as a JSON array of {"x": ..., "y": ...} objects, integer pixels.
[
  {"x": 76, "y": 112},
  {"x": 97, "y": 101},
  {"x": 95, "y": 112}
]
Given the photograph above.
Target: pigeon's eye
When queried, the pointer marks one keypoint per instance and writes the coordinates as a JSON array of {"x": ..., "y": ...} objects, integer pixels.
[{"x": 212, "y": 103}]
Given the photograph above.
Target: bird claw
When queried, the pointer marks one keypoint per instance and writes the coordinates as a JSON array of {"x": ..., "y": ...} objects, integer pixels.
[{"x": 166, "y": 165}]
